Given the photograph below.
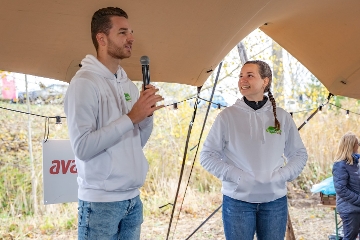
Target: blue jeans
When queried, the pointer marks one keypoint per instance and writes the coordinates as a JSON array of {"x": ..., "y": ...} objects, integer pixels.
[
  {"x": 110, "y": 220},
  {"x": 242, "y": 219},
  {"x": 351, "y": 225}
]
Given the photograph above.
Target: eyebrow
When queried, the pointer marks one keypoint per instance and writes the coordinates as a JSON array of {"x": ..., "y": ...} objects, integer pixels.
[
  {"x": 125, "y": 29},
  {"x": 249, "y": 72}
]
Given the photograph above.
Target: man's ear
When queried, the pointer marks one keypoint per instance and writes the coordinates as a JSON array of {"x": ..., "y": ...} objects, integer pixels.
[{"x": 101, "y": 39}]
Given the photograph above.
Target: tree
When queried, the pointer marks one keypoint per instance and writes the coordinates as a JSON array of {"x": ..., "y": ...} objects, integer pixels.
[{"x": 278, "y": 73}]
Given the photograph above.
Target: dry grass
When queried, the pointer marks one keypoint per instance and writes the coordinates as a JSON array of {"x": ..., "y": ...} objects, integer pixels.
[{"x": 165, "y": 154}]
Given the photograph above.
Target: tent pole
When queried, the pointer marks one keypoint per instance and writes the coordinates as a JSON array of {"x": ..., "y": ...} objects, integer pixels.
[{"x": 32, "y": 164}]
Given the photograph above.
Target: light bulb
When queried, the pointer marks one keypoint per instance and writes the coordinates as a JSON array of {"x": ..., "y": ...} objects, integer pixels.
[
  {"x": 58, "y": 126},
  {"x": 58, "y": 123}
]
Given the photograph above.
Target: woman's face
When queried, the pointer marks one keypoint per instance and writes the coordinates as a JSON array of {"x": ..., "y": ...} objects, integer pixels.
[{"x": 250, "y": 83}]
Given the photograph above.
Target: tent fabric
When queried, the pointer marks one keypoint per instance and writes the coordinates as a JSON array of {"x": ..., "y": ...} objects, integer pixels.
[{"x": 185, "y": 40}]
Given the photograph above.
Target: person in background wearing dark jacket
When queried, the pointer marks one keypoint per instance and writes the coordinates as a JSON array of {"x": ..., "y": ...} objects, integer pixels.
[{"x": 346, "y": 176}]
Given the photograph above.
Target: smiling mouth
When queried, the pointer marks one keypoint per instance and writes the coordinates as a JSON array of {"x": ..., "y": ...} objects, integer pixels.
[{"x": 245, "y": 87}]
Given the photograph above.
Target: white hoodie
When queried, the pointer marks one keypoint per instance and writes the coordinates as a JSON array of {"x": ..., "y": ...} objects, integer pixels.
[
  {"x": 107, "y": 145},
  {"x": 248, "y": 159}
]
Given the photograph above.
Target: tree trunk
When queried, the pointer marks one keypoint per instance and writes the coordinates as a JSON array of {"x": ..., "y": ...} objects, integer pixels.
[
  {"x": 278, "y": 73},
  {"x": 242, "y": 53}
]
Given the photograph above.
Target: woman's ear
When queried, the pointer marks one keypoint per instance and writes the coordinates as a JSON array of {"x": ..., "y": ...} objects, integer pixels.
[{"x": 266, "y": 82}]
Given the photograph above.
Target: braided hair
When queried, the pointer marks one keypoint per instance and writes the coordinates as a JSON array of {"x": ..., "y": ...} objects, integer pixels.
[{"x": 265, "y": 71}]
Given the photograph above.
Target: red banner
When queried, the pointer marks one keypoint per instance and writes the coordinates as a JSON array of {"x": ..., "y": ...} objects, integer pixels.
[{"x": 8, "y": 88}]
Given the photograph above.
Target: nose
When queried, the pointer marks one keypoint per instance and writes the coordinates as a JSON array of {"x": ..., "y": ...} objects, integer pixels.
[
  {"x": 130, "y": 37},
  {"x": 242, "y": 79}
]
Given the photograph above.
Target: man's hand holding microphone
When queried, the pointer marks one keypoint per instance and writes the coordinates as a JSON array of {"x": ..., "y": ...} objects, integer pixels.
[{"x": 146, "y": 104}]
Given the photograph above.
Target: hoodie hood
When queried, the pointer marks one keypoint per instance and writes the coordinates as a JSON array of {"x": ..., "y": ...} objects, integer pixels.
[
  {"x": 119, "y": 84},
  {"x": 256, "y": 118},
  {"x": 92, "y": 64}
]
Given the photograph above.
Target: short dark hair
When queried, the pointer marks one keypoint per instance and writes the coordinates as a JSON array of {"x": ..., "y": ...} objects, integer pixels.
[{"x": 101, "y": 21}]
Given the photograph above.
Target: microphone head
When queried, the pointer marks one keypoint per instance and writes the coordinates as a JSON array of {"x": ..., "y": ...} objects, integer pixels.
[{"x": 144, "y": 60}]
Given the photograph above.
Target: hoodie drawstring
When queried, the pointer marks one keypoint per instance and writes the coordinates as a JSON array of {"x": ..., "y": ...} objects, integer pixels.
[
  {"x": 262, "y": 130},
  {"x": 251, "y": 128},
  {"x": 252, "y": 131}
]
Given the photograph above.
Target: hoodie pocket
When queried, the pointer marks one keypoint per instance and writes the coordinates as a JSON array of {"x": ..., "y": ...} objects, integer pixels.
[
  {"x": 128, "y": 170},
  {"x": 244, "y": 185},
  {"x": 269, "y": 182}
]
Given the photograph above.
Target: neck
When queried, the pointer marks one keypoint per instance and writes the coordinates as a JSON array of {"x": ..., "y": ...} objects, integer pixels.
[
  {"x": 255, "y": 99},
  {"x": 255, "y": 104},
  {"x": 111, "y": 63}
]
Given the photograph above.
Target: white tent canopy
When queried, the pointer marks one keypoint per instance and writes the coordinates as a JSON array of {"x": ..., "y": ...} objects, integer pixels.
[{"x": 184, "y": 39}]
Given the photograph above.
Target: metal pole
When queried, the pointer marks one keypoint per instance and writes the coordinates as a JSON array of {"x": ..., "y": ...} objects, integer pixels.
[{"x": 32, "y": 164}]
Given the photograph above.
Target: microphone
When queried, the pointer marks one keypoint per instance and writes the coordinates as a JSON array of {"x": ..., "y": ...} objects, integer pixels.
[{"x": 145, "y": 60}]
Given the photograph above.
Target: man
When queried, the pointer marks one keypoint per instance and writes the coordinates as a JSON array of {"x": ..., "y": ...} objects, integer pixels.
[{"x": 109, "y": 123}]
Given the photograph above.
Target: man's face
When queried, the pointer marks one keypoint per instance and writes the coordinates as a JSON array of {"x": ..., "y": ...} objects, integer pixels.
[{"x": 120, "y": 38}]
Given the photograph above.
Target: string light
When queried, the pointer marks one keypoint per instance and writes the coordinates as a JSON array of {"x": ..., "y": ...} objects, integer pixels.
[
  {"x": 58, "y": 123},
  {"x": 175, "y": 107}
]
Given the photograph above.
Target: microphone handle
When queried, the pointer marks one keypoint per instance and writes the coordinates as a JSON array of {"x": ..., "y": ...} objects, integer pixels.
[
  {"x": 148, "y": 74},
  {"x": 144, "y": 76}
]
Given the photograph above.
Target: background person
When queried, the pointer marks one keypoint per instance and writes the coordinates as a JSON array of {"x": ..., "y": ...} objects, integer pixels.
[
  {"x": 245, "y": 149},
  {"x": 108, "y": 126},
  {"x": 346, "y": 176}
]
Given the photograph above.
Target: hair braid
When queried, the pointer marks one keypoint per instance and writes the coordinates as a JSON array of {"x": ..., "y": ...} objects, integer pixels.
[
  {"x": 265, "y": 71},
  {"x": 273, "y": 103}
]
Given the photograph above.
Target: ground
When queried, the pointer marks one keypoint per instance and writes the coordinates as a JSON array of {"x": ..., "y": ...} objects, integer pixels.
[{"x": 310, "y": 220}]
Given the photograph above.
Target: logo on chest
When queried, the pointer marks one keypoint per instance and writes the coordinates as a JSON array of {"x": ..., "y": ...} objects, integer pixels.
[{"x": 127, "y": 97}]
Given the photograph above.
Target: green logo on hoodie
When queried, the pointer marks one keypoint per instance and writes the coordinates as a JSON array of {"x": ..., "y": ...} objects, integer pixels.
[
  {"x": 272, "y": 130},
  {"x": 127, "y": 97}
]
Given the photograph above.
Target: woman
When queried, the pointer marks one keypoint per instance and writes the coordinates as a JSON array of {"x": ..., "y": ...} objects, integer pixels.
[
  {"x": 346, "y": 176},
  {"x": 245, "y": 149}
]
